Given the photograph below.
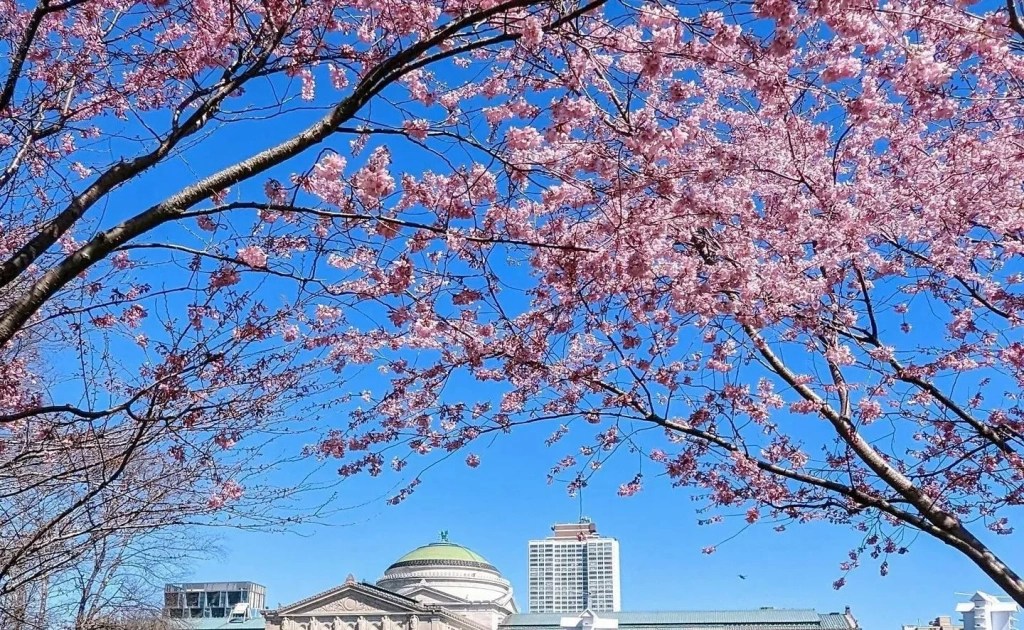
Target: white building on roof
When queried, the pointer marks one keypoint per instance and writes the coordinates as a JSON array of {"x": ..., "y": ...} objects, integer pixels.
[{"x": 988, "y": 612}]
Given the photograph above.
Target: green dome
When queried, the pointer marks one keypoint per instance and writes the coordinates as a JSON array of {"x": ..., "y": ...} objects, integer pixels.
[{"x": 444, "y": 554}]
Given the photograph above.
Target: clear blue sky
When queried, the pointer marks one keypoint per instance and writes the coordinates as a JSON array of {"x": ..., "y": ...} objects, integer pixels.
[{"x": 498, "y": 507}]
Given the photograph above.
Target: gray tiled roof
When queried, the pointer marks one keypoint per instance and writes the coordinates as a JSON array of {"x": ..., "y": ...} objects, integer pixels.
[
  {"x": 834, "y": 621},
  {"x": 764, "y": 618}
]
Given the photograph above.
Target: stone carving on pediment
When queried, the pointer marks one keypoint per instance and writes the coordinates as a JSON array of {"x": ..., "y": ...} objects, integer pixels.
[{"x": 343, "y": 605}]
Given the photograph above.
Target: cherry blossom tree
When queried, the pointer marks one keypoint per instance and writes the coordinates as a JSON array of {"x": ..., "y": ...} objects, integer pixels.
[
  {"x": 150, "y": 342},
  {"x": 786, "y": 237},
  {"x": 117, "y": 583},
  {"x": 772, "y": 246}
]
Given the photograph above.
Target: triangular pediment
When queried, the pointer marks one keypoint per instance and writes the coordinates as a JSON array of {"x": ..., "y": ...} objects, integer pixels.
[
  {"x": 351, "y": 599},
  {"x": 430, "y": 595}
]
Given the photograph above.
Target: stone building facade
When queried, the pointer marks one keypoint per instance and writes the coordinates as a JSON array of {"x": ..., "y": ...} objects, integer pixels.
[{"x": 440, "y": 586}]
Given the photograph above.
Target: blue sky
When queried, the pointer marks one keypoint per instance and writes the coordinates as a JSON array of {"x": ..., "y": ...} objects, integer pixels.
[{"x": 496, "y": 508}]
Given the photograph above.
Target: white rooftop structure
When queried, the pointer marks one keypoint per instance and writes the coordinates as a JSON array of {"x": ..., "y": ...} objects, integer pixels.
[
  {"x": 988, "y": 612},
  {"x": 587, "y": 620}
]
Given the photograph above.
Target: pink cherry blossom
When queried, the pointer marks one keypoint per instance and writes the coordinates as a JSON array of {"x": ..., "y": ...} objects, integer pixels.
[
  {"x": 290, "y": 333},
  {"x": 631, "y": 488},
  {"x": 224, "y": 277},
  {"x": 373, "y": 181},
  {"x": 206, "y": 223},
  {"x": 121, "y": 261},
  {"x": 253, "y": 256},
  {"x": 772, "y": 251}
]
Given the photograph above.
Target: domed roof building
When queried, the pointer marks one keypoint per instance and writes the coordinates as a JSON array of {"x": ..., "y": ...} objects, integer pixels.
[
  {"x": 440, "y": 586},
  {"x": 455, "y": 577}
]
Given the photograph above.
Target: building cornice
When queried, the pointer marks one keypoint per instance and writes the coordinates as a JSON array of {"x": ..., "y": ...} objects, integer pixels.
[
  {"x": 443, "y": 563},
  {"x": 444, "y": 576}
]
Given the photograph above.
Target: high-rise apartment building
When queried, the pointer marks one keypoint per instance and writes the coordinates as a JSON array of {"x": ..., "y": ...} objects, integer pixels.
[{"x": 573, "y": 570}]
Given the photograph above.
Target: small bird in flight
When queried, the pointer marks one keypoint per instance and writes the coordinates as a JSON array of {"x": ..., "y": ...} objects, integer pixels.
[{"x": 743, "y": 577}]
